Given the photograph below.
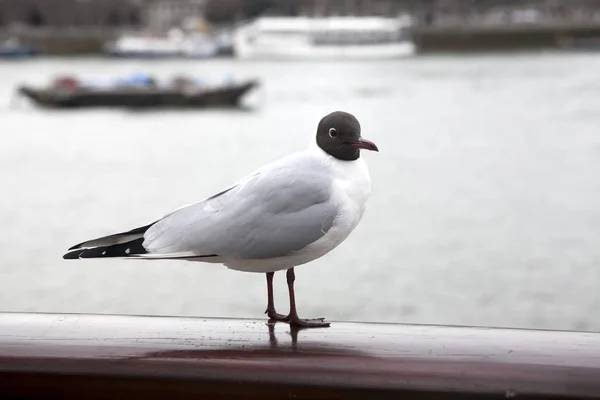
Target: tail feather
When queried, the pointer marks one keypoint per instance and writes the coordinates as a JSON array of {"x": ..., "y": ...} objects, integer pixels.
[{"x": 125, "y": 244}]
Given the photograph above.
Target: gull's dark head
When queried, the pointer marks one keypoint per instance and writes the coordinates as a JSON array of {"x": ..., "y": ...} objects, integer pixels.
[{"x": 338, "y": 134}]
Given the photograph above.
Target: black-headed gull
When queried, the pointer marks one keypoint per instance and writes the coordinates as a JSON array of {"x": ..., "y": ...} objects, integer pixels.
[{"x": 287, "y": 213}]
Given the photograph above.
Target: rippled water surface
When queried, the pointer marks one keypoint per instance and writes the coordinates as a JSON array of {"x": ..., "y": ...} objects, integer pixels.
[{"x": 485, "y": 207}]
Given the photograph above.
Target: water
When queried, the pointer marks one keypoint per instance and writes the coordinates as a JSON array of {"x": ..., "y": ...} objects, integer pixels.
[{"x": 484, "y": 211}]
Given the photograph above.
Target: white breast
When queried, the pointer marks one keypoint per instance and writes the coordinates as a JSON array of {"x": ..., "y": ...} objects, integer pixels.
[{"x": 350, "y": 191}]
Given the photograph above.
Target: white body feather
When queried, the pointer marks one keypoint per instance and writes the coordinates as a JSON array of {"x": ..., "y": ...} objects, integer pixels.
[{"x": 350, "y": 191}]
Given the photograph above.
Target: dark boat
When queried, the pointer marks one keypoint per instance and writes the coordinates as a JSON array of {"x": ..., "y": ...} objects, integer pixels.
[{"x": 182, "y": 93}]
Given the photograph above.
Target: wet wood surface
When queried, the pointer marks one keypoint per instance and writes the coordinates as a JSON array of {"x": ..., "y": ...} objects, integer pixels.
[{"x": 101, "y": 356}]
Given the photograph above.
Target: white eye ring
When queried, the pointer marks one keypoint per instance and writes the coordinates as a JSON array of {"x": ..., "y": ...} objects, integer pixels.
[{"x": 332, "y": 132}]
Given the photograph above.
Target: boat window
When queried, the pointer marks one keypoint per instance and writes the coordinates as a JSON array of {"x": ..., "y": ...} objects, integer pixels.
[
  {"x": 355, "y": 37},
  {"x": 282, "y": 32}
]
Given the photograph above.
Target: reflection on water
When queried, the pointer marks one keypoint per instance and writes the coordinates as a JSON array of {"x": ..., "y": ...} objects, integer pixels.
[{"x": 484, "y": 207}]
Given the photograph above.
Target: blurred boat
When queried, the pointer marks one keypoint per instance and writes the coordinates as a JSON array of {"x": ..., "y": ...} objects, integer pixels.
[
  {"x": 175, "y": 45},
  {"x": 324, "y": 38},
  {"x": 138, "y": 91},
  {"x": 10, "y": 48},
  {"x": 224, "y": 42}
]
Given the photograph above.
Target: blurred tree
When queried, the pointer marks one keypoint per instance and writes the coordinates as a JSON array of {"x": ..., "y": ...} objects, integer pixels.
[
  {"x": 114, "y": 19},
  {"x": 254, "y": 8},
  {"x": 35, "y": 18},
  {"x": 134, "y": 17},
  {"x": 227, "y": 10},
  {"x": 222, "y": 10}
]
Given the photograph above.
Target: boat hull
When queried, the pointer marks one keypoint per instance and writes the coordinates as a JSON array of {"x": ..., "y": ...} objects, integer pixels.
[
  {"x": 228, "y": 96},
  {"x": 143, "y": 54},
  {"x": 153, "y": 55},
  {"x": 16, "y": 52},
  {"x": 308, "y": 52}
]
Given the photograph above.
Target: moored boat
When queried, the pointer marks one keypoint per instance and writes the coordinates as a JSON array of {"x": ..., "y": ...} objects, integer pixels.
[
  {"x": 138, "y": 91},
  {"x": 12, "y": 49},
  {"x": 174, "y": 45},
  {"x": 324, "y": 38}
]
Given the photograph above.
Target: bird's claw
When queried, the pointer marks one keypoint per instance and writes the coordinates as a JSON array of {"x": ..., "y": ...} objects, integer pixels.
[
  {"x": 274, "y": 316},
  {"x": 309, "y": 323}
]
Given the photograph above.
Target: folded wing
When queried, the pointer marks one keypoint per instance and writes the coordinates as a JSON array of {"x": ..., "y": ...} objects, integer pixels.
[{"x": 274, "y": 212}]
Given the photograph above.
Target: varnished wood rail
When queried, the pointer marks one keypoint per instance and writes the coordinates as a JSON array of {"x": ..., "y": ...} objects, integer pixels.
[{"x": 127, "y": 357}]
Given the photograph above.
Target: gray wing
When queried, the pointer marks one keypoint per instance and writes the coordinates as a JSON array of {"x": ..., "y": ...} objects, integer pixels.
[{"x": 276, "y": 211}]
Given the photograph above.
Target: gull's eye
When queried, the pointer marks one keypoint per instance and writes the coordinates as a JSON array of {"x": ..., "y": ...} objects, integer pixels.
[{"x": 332, "y": 132}]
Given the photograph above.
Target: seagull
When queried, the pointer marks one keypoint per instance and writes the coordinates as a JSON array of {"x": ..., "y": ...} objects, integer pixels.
[{"x": 285, "y": 214}]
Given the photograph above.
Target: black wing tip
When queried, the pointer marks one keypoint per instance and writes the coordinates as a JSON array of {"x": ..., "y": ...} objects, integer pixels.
[
  {"x": 72, "y": 255},
  {"x": 80, "y": 246},
  {"x": 141, "y": 230},
  {"x": 128, "y": 249}
]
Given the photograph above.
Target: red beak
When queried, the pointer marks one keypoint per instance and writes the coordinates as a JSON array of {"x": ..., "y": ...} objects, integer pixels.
[{"x": 365, "y": 144}]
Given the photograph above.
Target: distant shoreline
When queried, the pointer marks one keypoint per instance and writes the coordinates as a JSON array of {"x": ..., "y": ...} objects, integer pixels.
[{"x": 428, "y": 39}]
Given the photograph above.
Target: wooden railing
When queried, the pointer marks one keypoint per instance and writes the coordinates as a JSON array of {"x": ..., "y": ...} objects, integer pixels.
[{"x": 126, "y": 357}]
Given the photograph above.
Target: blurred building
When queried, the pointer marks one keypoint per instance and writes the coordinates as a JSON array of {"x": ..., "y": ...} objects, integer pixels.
[
  {"x": 381, "y": 7},
  {"x": 84, "y": 26},
  {"x": 153, "y": 14},
  {"x": 161, "y": 15},
  {"x": 453, "y": 12},
  {"x": 71, "y": 13}
]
